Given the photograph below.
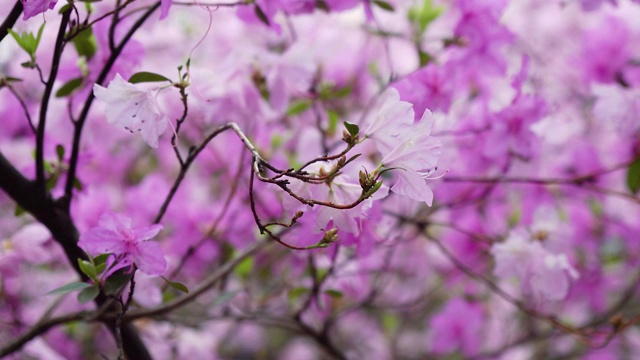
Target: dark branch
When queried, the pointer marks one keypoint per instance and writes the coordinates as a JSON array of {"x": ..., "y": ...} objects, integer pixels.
[{"x": 11, "y": 19}]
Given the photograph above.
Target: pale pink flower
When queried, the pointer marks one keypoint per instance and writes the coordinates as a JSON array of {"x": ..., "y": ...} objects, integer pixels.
[
  {"x": 406, "y": 146},
  {"x": 115, "y": 235},
  {"x": 132, "y": 109},
  {"x": 541, "y": 273},
  {"x": 415, "y": 157},
  {"x": 392, "y": 120}
]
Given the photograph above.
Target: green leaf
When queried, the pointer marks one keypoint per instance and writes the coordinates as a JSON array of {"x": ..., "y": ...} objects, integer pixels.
[
  {"x": 69, "y": 87},
  {"x": 425, "y": 58},
  {"x": 334, "y": 293},
  {"x": 373, "y": 190},
  {"x": 88, "y": 268},
  {"x": 100, "y": 268},
  {"x": 52, "y": 181},
  {"x": 384, "y": 5},
  {"x": 298, "y": 107},
  {"x": 38, "y": 37},
  {"x": 322, "y": 5},
  {"x": 390, "y": 323},
  {"x": 425, "y": 15},
  {"x": 333, "y": 122},
  {"x": 9, "y": 79},
  {"x": 60, "y": 151},
  {"x": 19, "y": 211},
  {"x": 74, "y": 286},
  {"x": 77, "y": 184},
  {"x": 101, "y": 259},
  {"x": 353, "y": 129},
  {"x": 85, "y": 43},
  {"x": 176, "y": 285},
  {"x": 25, "y": 40},
  {"x": 261, "y": 15},
  {"x": 64, "y": 8},
  {"x": 245, "y": 267},
  {"x": 633, "y": 176},
  {"x": 296, "y": 293},
  {"x": 116, "y": 282},
  {"x": 145, "y": 76},
  {"x": 88, "y": 294}
]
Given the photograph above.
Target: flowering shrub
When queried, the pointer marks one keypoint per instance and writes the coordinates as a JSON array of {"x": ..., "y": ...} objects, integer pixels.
[{"x": 384, "y": 179}]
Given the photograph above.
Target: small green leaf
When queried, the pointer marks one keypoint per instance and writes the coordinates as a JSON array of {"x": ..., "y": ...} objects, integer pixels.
[
  {"x": 25, "y": 40},
  {"x": 321, "y": 274},
  {"x": 101, "y": 259},
  {"x": 352, "y": 158},
  {"x": 100, "y": 268},
  {"x": 390, "y": 323},
  {"x": 38, "y": 37},
  {"x": 245, "y": 267},
  {"x": 322, "y": 5},
  {"x": 176, "y": 285},
  {"x": 384, "y": 5},
  {"x": 298, "y": 107},
  {"x": 64, "y": 8},
  {"x": 60, "y": 152},
  {"x": 425, "y": 15},
  {"x": 296, "y": 293},
  {"x": 145, "y": 76},
  {"x": 261, "y": 15},
  {"x": 74, "y": 286},
  {"x": 116, "y": 282},
  {"x": 69, "y": 87},
  {"x": 633, "y": 176},
  {"x": 88, "y": 294},
  {"x": 19, "y": 211},
  {"x": 77, "y": 184},
  {"x": 87, "y": 268},
  {"x": 85, "y": 43},
  {"x": 353, "y": 129},
  {"x": 425, "y": 58},
  {"x": 52, "y": 181},
  {"x": 333, "y": 122},
  {"x": 28, "y": 64},
  {"x": 334, "y": 293},
  {"x": 11, "y": 79},
  {"x": 373, "y": 190}
]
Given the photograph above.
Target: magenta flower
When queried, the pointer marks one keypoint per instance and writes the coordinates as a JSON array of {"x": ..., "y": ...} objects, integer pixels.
[
  {"x": 115, "y": 235},
  {"x": 35, "y": 7}
]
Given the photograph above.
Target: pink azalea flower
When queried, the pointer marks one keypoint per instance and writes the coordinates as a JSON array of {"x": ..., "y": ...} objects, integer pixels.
[
  {"x": 457, "y": 327},
  {"x": 391, "y": 121},
  {"x": 405, "y": 146},
  {"x": 416, "y": 157},
  {"x": 35, "y": 7},
  {"x": 115, "y": 235},
  {"x": 542, "y": 274},
  {"x": 132, "y": 109}
]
